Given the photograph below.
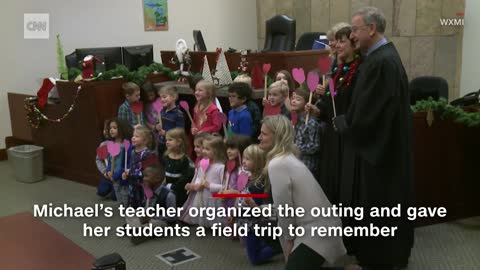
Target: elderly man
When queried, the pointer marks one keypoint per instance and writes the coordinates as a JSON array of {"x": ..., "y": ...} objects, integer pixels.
[{"x": 377, "y": 126}]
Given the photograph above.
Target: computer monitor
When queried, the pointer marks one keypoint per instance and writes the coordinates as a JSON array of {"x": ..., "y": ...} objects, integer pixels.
[
  {"x": 112, "y": 56},
  {"x": 137, "y": 56},
  {"x": 199, "y": 43},
  {"x": 71, "y": 60}
]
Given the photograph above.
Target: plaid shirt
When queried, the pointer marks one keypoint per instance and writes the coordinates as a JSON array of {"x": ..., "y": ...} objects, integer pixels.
[
  {"x": 307, "y": 139},
  {"x": 125, "y": 113}
]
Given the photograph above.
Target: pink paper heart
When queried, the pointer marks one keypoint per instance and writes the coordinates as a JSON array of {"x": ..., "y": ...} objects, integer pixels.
[
  {"x": 223, "y": 118},
  {"x": 157, "y": 105},
  {"x": 298, "y": 75},
  {"x": 204, "y": 164},
  {"x": 137, "y": 107},
  {"x": 242, "y": 181},
  {"x": 266, "y": 68},
  {"x": 126, "y": 144},
  {"x": 312, "y": 81},
  {"x": 324, "y": 64},
  {"x": 102, "y": 152},
  {"x": 184, "y": 105},
  {"x": 331, "y": 86},
  {"x": 113, "y": 148},
  {"x": 147, "y": 191}
]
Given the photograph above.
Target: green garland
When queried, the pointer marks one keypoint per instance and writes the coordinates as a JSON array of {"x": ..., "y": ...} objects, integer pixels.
[
  {"x": 138, "y": 76},
  {"x": 445, "y": 110}
]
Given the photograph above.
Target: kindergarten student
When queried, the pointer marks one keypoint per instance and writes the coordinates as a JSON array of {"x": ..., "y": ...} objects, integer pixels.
[
  {"x": 132, "y": 94},
  {"x": 149, "y": 96},
  {"x": 259, "y": 249},
  {"x": 118, "y": 131},
  {"x": 235, "y": 144},
  {"x": 205, "y": 114},
  {"x": 171, "y": 116},
  {"x": 205, "y": 183},
  {"x": 179, "y": 168},
  {"x": 239, "y": 118},
  {"x": 307, "y": 136},
  {"x": 252, "y": 107},
  {"x": 140, "y": 157},
  {"x": 277, "y": 94},
  {"x": 105, "y": 186},
  {"x": 198, "y": 146},
  {"x": 160, "y": 195}
]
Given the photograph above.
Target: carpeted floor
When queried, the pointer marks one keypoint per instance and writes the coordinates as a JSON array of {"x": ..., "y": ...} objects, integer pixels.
[{"x": 452, "y": 246}]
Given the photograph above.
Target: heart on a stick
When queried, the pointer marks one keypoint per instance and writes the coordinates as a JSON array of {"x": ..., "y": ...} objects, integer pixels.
[
  {"x": 266, "y": 68},
  {"x": 223, "y": 118},
  {"x": 113, "y": 148},
  {"x": 324, "y": 64},
  {"x": 184, "y": 105},
  {"x": 312, "y": 81},
  {"x": 102, "y": 152},
  {"x": 147, "y": 191},
  {"x": 137, "y": 107},
  {"x": 204, "y": 164},
  {"x": 157, "y": 105},
  {"x": 331, "y": 86},
  {"x": 126, "y": 144},
  {"x": 298, "y": 75},
  {"x": 242, "y": 180},
  {"x": 231, "y": 165}
]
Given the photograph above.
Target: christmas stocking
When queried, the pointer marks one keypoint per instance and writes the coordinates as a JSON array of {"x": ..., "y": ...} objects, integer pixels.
[{"x": 42, "y": 94}]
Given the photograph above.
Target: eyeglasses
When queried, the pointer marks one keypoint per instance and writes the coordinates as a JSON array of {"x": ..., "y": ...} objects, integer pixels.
[{"x": 357, "y": 28}]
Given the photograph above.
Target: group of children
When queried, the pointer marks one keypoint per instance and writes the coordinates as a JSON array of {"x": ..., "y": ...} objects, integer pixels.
[{"x": 154, "y": 166}]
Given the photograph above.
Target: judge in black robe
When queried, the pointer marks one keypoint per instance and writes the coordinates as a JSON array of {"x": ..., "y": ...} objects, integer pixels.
[{"x": 378, "y": 127}]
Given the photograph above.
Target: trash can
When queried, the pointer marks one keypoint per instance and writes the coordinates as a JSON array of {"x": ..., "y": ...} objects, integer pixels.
[{"x": 27, "y": 162}]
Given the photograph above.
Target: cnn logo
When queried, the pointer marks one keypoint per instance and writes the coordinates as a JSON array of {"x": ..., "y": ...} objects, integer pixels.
[{"x": 36, "y": 25}]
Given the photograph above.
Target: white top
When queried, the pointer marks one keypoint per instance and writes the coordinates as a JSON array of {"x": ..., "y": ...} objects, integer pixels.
[{"x": 293, "y": 184}]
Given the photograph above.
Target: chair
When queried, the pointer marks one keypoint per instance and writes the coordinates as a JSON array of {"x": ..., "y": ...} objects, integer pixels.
[
  {"x": 421, "y": 88},
  {"x": 280, "y": 34},
  {"x": 71, "y": 60},
  {"x": 305, "y": 42},
  {"x": 199, "y": 43}
]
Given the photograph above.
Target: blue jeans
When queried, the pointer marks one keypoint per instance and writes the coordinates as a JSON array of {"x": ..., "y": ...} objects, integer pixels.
[{"x": 105, "y": 187}]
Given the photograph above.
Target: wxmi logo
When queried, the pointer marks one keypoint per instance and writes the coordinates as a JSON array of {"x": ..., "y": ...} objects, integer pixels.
[
  {"x": 452, "y": 22},
  {"x": 36, "y": 25}
]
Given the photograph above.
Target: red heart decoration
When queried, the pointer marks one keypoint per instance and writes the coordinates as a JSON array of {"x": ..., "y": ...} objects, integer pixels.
[
  {"x": 223, "y": 118},
  {"x": 157, "y": 105},
  {"x": 204, "y": 164},
  {"x": 231, "y": 165},
  {"x": 268, "y": 109},
  {"x": 325, "y": 64},
  {"x": 242, "y": 181},
  {"x": 126, "y": 144},
  {"x": 266, "y": 68},
  {"x": 298, "y": 75},
  {"x": 102, "y": 152},
  {"x": 137, "y": 107},
  {"x": 113, "y": 148},
  {"x": 184, "y": 105}
]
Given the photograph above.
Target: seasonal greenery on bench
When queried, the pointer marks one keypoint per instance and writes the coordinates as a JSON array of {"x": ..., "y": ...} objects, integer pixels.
[{"x": 445, "y": 111}]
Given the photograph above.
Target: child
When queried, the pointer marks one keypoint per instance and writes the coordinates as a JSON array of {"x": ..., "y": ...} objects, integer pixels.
[
  {"x": 205, "y": 183},
  {"x": 132, "y": 94},
  {"x": 239, "y": 118},
  {"x": 275, "y": 104},
  {"x": 205, "y": 114},
  {"x": 235, "y": 144},
  {"x": 153, "y": 176},
  {"x": 171, "y": 115},
  {"x": 149, "y": 96},
  {"x": 252, "y": 107},
  {"x": 259, "y": 250},
  {"x": 119, "y": 130},
  {"x": 285, "y": 75},
  {"x": 198, "y": 146},
  {"x": 178, "y": 167},
  {"x": 105, "y": 187},
  {"x": 140, "y": 157},
  {"x": 307, "y": 136}
]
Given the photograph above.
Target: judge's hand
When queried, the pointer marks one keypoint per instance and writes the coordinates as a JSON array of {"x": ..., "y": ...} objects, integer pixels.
[
  {"x": 320, "y": 90},
  {"x": 339, "y": 123},
  {"x": 194, "y": 131},
  {"x": 310, "y": 108}
]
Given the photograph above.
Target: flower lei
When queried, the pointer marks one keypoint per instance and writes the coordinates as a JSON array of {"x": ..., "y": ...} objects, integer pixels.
[{"x": 35, "y": 116}]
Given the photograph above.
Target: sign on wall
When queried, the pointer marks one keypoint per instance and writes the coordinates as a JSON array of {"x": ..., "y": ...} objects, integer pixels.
[{"x": 155, "y": 15}]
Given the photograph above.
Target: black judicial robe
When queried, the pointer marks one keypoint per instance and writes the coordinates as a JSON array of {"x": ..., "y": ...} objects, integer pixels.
[
  {"x": 379, "y": 130},
  {"x": 332, "y": 154}
]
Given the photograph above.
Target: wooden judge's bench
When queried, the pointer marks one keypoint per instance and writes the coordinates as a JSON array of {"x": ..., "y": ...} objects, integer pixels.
[{"x": 445, "y": 154}]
